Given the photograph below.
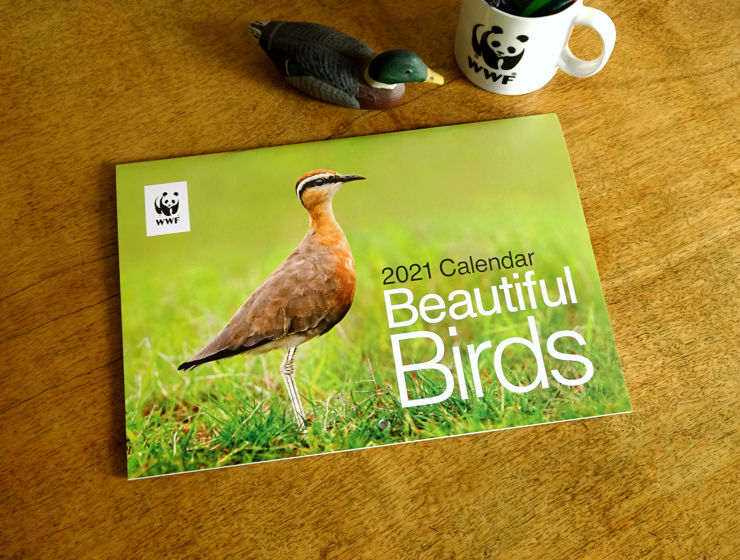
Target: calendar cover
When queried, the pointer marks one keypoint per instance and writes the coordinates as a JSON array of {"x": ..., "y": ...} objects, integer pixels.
[{"x": 353, "y": 293}]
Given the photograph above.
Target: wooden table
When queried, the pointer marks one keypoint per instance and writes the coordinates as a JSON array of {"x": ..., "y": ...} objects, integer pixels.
[{"x": 654, "y": 144}]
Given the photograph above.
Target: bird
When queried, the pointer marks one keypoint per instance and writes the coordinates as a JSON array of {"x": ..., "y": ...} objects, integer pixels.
[
  {"x": 338, "y": 68},
  {"x": 305, "y": 297}
]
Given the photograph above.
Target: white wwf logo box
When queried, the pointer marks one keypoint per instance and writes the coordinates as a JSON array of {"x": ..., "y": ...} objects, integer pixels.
[{"x": 167, "y": 208}]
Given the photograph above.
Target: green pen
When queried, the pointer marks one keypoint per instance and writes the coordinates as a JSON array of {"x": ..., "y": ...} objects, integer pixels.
[
  {"x": 552, "y": 7},
  {"x": 534, "y": 6}
]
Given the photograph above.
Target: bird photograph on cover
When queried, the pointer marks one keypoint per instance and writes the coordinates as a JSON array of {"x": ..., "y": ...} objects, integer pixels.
[
  {"x": 308, "y": 294},
  {"x": 237, "y": 350},
  {"x": 338, "y": 68}
]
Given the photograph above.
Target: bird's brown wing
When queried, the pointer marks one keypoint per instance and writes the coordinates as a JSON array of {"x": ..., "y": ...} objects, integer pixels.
[{"x": 299, "y": 298}]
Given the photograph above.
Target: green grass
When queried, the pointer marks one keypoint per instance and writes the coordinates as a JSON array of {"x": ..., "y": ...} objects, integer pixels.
[{"x": 236, "y": 410}]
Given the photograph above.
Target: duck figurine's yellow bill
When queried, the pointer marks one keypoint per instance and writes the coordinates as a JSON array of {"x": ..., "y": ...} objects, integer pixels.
[{"x": 334, "y": 67}]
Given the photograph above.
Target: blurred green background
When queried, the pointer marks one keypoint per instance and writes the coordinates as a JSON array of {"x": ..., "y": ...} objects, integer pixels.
[{"x": 480, "y": 189}]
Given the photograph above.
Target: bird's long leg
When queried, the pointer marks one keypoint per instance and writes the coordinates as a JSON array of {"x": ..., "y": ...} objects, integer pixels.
[{"x": 286, "y": 370}]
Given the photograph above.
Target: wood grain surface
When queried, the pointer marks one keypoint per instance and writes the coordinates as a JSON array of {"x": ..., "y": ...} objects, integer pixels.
[{"x": 654, "y": 144}]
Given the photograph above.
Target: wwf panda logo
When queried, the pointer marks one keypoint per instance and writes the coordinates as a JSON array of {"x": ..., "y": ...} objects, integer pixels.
[
  {"x": 499, "y": 51},
  {"x": 167, "y": 204}
]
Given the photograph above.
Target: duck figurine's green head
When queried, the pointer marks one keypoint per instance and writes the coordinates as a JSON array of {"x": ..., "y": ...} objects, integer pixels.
[{"x": 399, "y": 66}]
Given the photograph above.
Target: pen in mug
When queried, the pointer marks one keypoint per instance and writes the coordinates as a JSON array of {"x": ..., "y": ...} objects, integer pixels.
[{"x": 546, "y": 7}]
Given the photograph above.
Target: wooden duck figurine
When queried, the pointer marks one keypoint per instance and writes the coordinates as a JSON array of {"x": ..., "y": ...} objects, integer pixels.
[{"x": 334, "y": 67}]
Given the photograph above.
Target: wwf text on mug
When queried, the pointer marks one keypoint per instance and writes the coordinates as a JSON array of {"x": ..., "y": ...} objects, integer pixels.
[{"x": 509, "y": 54}]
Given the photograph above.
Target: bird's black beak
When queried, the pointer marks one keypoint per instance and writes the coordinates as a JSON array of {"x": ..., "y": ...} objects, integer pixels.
[{"x": 348, "y": 178}]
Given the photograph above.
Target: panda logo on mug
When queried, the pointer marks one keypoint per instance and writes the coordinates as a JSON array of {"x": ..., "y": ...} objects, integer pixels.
[{"x": 499, "y": 51}]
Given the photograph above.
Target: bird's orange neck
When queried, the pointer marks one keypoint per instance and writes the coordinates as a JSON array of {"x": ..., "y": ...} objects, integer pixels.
[
  {"x": 325, "y": 231},
  {"x": 324, "y": 226}
]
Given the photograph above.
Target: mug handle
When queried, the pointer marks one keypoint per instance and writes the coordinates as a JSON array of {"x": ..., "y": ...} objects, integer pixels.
[{"x": 604, "y": 26}]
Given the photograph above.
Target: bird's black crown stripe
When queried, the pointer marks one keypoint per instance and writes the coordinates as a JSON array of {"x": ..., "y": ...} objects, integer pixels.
[{"x": 318, "y": 182}]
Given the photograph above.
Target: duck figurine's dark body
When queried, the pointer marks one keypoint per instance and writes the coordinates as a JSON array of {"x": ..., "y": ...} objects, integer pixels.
[{"x": 334, "y": 67}]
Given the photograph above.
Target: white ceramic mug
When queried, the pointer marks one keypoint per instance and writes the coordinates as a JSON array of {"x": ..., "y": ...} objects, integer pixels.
[{"x": 508, "y": 54}]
